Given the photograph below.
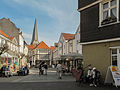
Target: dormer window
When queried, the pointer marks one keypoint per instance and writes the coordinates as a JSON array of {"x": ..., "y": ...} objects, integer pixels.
[{"x": 109, "y": 11}]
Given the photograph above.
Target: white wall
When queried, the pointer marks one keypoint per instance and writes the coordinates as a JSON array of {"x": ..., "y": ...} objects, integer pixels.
[
  {"x": 21, "y": 43},
  {"x": 78, "y": 46}
]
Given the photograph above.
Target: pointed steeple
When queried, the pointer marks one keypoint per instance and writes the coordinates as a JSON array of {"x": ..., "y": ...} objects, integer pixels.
[{"x": 35, "y": 34}]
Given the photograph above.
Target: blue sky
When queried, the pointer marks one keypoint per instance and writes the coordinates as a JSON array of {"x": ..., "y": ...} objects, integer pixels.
[{"x": 53, "y": 17}]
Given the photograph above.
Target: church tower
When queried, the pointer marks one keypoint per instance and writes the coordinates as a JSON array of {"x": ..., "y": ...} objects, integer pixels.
[{"x": 35, "y": 35}]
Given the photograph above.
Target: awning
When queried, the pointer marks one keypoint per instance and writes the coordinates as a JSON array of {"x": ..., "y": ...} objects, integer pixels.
[
  {"x": 72, "y": 56},
  {"x": 6, "y": 55}
]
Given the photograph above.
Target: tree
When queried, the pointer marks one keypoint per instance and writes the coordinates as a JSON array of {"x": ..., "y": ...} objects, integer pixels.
[{"x": 3, "y": 49}]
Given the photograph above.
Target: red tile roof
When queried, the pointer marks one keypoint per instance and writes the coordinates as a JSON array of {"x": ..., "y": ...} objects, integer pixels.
[
  {"x": 6, "y": 35},
  {"x": 52, "y": 47},
  {"x": 42, "y": 45},
  {"x": 30, "y": 47},
  {"x": 68, "y": 36},
  {"x": 11, "y": 38}
]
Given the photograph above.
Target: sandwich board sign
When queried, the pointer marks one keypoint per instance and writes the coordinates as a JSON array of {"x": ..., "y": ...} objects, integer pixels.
[
  {"x": 113, "y": 76},
  {"x": 116, "y": 76}
]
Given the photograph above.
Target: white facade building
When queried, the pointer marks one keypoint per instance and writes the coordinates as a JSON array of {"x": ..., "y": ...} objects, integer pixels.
[{"x": 78, "y": 46}]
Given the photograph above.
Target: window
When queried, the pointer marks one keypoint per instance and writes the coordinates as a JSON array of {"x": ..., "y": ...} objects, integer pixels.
[
  {"x": 109, "y": 12},
  {"x": 114, "y": 57},
  {"x": 70, "y": 44}
]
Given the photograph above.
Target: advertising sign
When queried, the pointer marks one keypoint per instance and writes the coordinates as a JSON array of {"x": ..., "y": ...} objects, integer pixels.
[{"x": 116, "y": 77}]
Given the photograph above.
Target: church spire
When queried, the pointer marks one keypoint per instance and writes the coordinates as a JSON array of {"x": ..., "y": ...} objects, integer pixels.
[{"x": 35, "y": 34}]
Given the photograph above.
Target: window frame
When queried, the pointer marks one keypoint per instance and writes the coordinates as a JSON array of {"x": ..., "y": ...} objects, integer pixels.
[
  {"x": 109, "y": 9},
  {"x": 113, "y": 55}
]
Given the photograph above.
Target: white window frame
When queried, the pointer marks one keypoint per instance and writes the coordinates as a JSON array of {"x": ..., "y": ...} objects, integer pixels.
[
  {"x": 118, "y": 56},
  {"x": 101, "y": 12}
]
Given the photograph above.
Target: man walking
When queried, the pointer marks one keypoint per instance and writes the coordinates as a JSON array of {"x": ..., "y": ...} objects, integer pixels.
[
  {"x": 59, "y": 70},
  {"x": 45, "y": 68}
]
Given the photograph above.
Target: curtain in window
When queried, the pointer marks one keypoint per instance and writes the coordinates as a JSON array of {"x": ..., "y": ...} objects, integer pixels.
[
  {"x": 113, "y": 13},
  {"x": 105, "y": 15}
]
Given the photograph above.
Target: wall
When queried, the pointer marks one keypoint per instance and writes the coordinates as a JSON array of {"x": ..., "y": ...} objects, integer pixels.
[
  {"x": 99, "y": 55},
  {"x": 92, "y": 31},
  {"x": 21, "y": 43}
]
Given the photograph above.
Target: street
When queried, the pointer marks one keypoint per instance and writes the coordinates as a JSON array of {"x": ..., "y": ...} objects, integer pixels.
[{"x": 45, "y": 82}]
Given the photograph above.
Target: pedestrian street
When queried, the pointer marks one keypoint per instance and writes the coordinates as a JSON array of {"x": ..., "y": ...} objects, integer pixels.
[{"x": 35, "y": 77}]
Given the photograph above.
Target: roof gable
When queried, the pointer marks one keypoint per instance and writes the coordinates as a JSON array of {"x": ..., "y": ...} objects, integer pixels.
[
  {"x": 42, "y": 45},
  {"x": 68, "y": 36},
  {"x": 30, "y": 47},
  {"x": 52, "y": 47},
  {"x": 1, "y": 32}
]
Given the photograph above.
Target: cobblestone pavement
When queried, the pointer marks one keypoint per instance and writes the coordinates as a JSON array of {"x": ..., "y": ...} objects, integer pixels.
[
  {"x": 46, "y": 82},
  {"x": 50, "y": 77},
  {"x": 35, "y": 77}
]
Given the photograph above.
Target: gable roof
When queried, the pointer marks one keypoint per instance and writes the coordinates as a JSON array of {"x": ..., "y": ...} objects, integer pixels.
[
  {"x": 52, "y": 47},
  {"x": 30, "y": 47},
  {"x": 68, "y": 36},
  {"x": 42, "y": 45},
  {"x": 11, "y": 38}
]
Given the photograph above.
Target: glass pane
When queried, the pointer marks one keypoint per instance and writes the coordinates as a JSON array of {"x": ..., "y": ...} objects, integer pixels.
[
  {"x": 105, "y": 6},
  {"x": 113, "y": 13},
  {"x": 113, "y": 3},
  {"x": 114, "y": 51},
  {"x": 105, "y": 15},
  {"x": 114, "y": 60}
]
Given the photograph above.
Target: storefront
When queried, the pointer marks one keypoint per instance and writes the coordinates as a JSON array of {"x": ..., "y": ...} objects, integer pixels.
[
  {"x": 72, "y": 60},
  {"x": 9, "y": 61}
]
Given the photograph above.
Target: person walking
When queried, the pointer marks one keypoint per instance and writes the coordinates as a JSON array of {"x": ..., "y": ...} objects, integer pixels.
[
  {"x": 45, "y": 68},
  {"x": 59, "y": 70},
  {"x": 40, "y": 69}
]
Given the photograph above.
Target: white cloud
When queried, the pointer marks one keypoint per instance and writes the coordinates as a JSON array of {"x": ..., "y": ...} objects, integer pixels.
[
  {"x": 27, "y": 36},
  {"x": 62, "y": 11}
]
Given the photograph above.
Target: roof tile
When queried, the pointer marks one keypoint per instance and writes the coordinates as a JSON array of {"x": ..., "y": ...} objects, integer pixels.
[
  {"x": 42, "y": 45},
  {"x": 30, "y": 47},
  {"x": 52, "y": 47},
  {"x": 6, "y": 35},
  {"x": 68, "y": 36}
]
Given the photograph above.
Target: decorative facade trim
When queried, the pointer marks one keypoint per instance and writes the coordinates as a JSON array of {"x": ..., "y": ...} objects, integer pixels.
[
  {"x": 101, "y": 41},
  {"x": 89, "y": 5}
]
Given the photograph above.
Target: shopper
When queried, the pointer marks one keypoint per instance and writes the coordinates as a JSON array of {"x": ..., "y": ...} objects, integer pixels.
[{"x": 59, "y": 70}]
